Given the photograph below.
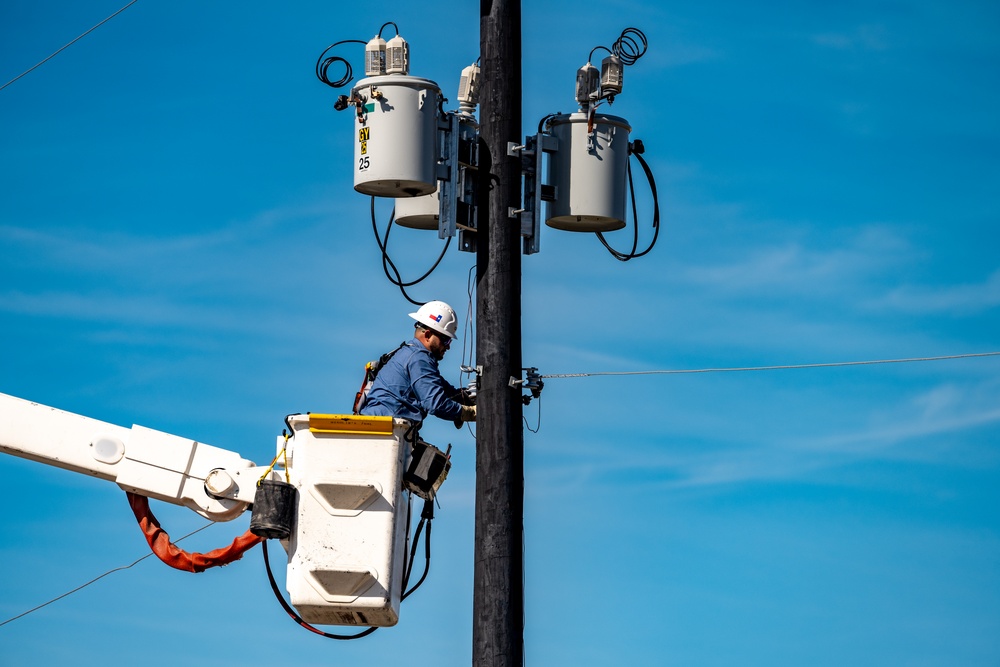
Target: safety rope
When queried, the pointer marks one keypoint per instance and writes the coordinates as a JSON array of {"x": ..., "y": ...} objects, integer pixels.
[{"x": 284, "y": 454}]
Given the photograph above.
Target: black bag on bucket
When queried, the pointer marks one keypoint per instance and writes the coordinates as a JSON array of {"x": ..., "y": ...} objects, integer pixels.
[
  {"x": 274, "y": 505},
  {"x": 427, "y": 471}
]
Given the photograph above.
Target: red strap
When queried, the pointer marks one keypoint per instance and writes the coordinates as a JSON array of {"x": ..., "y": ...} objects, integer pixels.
[{"x": 165, "y": 550}]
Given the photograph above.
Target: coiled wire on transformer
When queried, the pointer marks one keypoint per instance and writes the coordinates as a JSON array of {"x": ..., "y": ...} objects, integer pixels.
[
  {"x": 323, "y": 65},
  {"x": 630, "y": 46},
  {"x": 324, "y": 62}
]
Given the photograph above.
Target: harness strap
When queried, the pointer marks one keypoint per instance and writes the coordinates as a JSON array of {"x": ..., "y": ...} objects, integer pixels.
[{"x": 372, "y": 369}]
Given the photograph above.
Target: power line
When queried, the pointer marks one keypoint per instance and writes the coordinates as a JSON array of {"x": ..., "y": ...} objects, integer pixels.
[
  {"x": 776, "y": 368},
  {"x": 31, "y": 69},
  {"x": 95, "y": 579}
]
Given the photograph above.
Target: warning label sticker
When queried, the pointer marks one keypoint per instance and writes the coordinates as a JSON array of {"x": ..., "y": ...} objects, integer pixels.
[{"x": 363, "y": 136}]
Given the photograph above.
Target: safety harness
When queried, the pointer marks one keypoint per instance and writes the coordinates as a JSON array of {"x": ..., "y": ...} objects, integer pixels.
[{"x": 372, "y": 369}]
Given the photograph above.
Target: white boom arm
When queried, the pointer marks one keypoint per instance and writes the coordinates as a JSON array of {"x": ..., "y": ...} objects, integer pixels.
[
  {"x": 346, "y": 553},
  {"x": 216, "y": 483}
]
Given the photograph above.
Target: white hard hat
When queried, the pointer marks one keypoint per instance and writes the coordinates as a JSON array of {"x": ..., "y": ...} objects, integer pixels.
[{"x": 439, "y": 316}]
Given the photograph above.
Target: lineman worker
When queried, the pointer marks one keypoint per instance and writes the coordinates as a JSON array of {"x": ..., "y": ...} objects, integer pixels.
[{"x": 410, "y": 385}]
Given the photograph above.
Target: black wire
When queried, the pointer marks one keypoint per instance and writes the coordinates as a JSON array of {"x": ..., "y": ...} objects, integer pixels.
[
  {"x": 388, "y": 264},
  {"x": 469, "y": 333},
  {"x": 408, "y": 566},
  {"x": 409, "y": 515},
  {"x": 427, "y": 515},
  {"x": 385, "y": 258},
  {"x": 630, "y": 46},
  {"x": 538, "y": 426},
  {"x": 469, "y": 342},
  {"x": 635, "y": 211},
  {"x": 98, "y": 578},
  {"x": 39, "y": 64},
  {"x": 546, "y": 119},
  {"x": 388, "y": 23},
  {"x": 591, "y": 55},
  {"x": 411, "y": 434},
  {"x": 784, "y": 367},
  {"x": 323, "y": 65},
  {"x": 637, "y": 152},
  {"x": 427, "y": 561},
  {"x": 291, "y": 612},
  {"x": 408, "y": 436}
]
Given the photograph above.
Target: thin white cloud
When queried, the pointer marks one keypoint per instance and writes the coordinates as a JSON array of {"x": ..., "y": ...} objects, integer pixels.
[
  {"x": 866, "y": 37},
  {"x": 956, "y": 299},
  {"x": 96, "y": 308},
  {"x": 795, "y": 267},
  {"x": 73, "y": 246},
  {"x": 676, "y": 55},
  {"x": 193, "y": 281},
  {"x": 948, "y": 408},
  {"x": 147, "y": 319}
]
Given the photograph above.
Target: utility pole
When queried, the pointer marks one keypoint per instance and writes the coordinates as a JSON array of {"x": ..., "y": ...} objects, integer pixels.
[{"x": 498, "y": 593}]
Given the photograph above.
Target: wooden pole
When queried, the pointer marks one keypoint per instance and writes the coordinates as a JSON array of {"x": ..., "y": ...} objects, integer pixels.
[{"x": 498, "y": 593}]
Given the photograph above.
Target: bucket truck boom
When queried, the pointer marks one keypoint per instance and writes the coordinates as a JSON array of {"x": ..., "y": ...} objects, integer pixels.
[{"x": 347, "y": 540}]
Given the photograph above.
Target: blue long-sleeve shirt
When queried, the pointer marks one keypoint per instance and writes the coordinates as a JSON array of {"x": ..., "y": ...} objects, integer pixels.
[{"x": 410, "y": 386}]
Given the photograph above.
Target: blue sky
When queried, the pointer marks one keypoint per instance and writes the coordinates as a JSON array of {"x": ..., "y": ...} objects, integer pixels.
[{"x": 181, "y": 248}]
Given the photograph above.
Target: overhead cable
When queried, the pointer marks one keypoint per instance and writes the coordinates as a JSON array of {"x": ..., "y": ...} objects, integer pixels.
[
  {"x": 30, "y": 69},
  {"x": 98, "y": 578},
  {"x": 776, "y": 368}
]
